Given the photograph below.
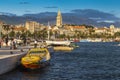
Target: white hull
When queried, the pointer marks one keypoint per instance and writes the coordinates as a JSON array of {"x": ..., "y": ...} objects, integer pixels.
[{"x": 58, "y": 42}]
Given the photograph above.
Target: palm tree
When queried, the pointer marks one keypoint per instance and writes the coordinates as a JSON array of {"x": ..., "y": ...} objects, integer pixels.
[
  {"x": 6, "y": 27},
  {"x": 12, "y": 33},
  {"x": 18, "y": 34},
  {"x": 28, "y": 33}
]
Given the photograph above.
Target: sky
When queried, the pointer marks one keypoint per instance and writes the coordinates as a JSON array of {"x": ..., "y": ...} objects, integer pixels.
[{"x": 21, "y": 7}]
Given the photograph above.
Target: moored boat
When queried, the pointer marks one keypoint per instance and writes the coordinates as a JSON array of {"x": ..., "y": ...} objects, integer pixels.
[
  {"x": 58, "y": 42},
  {"x": 63, "y": 48},
  {"x": 36, "y": 58},
  {"x": 74, "y": 45}
]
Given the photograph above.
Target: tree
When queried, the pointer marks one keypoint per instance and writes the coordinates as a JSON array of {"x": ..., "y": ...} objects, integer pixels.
[
  {"x": 62, "y": 36},
  {"x": 12, "y": 34},
  {"x": 28, "y": 33},
  {"x": 117, "y": 34},
  {"x": 6, "y": 27},
  {"x": 44, "y": 34},
  {"x": 18, "y": 34}
]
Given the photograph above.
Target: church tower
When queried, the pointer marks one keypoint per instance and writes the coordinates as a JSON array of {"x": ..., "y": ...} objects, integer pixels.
[{"x": 59, "y": 19}]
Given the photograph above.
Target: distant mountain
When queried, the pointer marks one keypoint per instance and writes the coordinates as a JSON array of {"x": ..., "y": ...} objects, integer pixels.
[
  {"x": 94, "y": 14},
  {"x": 7, "y": 14},
  {"x": 77, "y": 16},
  {"x": 12, "y": 19}
]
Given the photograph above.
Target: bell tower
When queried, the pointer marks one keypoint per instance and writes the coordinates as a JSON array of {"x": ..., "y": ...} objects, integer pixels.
[{"x": 59, "y": 19}]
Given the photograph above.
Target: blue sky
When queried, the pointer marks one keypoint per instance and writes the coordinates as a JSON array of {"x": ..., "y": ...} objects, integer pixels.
[{"x": 21, "y": 7}]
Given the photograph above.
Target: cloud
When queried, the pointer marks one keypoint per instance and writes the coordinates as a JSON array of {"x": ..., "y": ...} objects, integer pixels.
[
  {"x": 51, "y": 7},
  {"x": 97, "y": 18},
  {"x": 107, "y": 21},
  {"x": 24, "y": 3}
]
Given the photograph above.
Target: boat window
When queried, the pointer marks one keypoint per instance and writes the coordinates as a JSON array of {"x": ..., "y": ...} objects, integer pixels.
[{"x": 34, "y": 52}]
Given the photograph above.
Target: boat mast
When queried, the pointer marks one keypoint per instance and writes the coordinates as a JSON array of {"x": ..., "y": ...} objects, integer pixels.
[{"x": 48, "y": 31}]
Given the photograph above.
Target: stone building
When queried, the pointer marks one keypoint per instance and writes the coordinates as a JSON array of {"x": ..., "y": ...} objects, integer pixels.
[
  {"x": 59, "y": 19},
  {"x": 32, "y": 26}
]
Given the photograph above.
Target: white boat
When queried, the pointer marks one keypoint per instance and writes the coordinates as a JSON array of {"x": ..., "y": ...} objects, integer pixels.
[
  {"x": 118, "y": 44},
  {"x": 58, "y": 42},
  {"x": 55, "y": 42}
]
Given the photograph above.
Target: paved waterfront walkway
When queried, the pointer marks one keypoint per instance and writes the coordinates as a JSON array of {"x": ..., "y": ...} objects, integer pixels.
[
  {"x": 10, "y": 58},
  {"x": 7, "y": 51}
]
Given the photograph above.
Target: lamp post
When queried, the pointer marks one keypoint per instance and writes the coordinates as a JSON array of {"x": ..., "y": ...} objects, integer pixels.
[
  {"x": 0, "y": 35},
  {"x": 48, "y": 32},
  {"x": 0, "y": 31}
]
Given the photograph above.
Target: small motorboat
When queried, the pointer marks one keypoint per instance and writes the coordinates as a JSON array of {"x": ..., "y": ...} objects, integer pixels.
[
  {"x": 118, "y": 44},
  {"x": 74, "y": 45},
  {"x": 63, "y": 48},
  {"x": 36, "y": 58}
]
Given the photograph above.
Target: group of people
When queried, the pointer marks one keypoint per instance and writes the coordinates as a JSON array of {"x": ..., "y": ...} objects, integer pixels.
[
  {"x": 42, "y": 45},
  {"x": 13, "y": 44}
]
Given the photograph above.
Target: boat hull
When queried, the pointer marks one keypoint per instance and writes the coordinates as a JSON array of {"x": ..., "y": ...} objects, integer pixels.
[
  {"x": 58, "y": 42},
  {"x": 62, "y": 48},
  {"x": 36, "y": 66},
  {"x": 36, "y": 58}
]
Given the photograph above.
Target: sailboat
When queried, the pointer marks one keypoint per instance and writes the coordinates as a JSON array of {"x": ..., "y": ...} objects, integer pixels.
[
  {"x": 58, "y": 45},
  {"x": 55, "y": 42}
]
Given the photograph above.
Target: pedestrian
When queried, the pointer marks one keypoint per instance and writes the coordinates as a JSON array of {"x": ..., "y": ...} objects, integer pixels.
[
  {"x": 0, "y": 43},
  {"x": 13, "y": 44},
  {"x": 24, "y": 41},
  {"x": 35, "y": 44},
  {"x": 14, "y": 47},
  {"x": 10, "y": 44},
  {"x": 15, "y": 40},
  {"x": 6, "y": 41},
  {"x": 28, "y": 42}
]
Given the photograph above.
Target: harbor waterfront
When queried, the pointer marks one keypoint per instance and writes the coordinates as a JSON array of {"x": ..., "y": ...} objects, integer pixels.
[
  {"x": 10, "y": 59},
  {"x": 90, "y": 61},
  {"x": 59, "y": 40}
]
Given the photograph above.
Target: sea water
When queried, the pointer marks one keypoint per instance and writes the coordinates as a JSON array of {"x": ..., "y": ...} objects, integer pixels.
[{"x": 90, "y": 61}]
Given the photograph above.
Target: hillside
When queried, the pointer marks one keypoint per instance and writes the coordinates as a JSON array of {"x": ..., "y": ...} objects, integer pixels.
[{"x": 78, "y": 16}]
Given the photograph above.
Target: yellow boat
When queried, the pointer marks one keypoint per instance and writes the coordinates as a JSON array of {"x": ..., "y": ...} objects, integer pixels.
[
  {"x": 36, "y": 58},
  {"x": 62, "y": 48}
]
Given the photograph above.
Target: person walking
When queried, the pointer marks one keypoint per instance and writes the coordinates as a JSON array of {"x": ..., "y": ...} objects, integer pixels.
[
  {"x": 0, "y": 43},
  {"x": 24, "y": 41},
  {"x": 35, "y": 44},
  {"x": 10, "y": 44},
  {"x": 28, "y": 42},
  {"x": 6, "y": 41},
  {"x": 13, "y": 44}
]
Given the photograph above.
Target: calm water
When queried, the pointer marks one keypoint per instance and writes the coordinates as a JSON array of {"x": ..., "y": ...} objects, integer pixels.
[{"x": 91, "y": 61}]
